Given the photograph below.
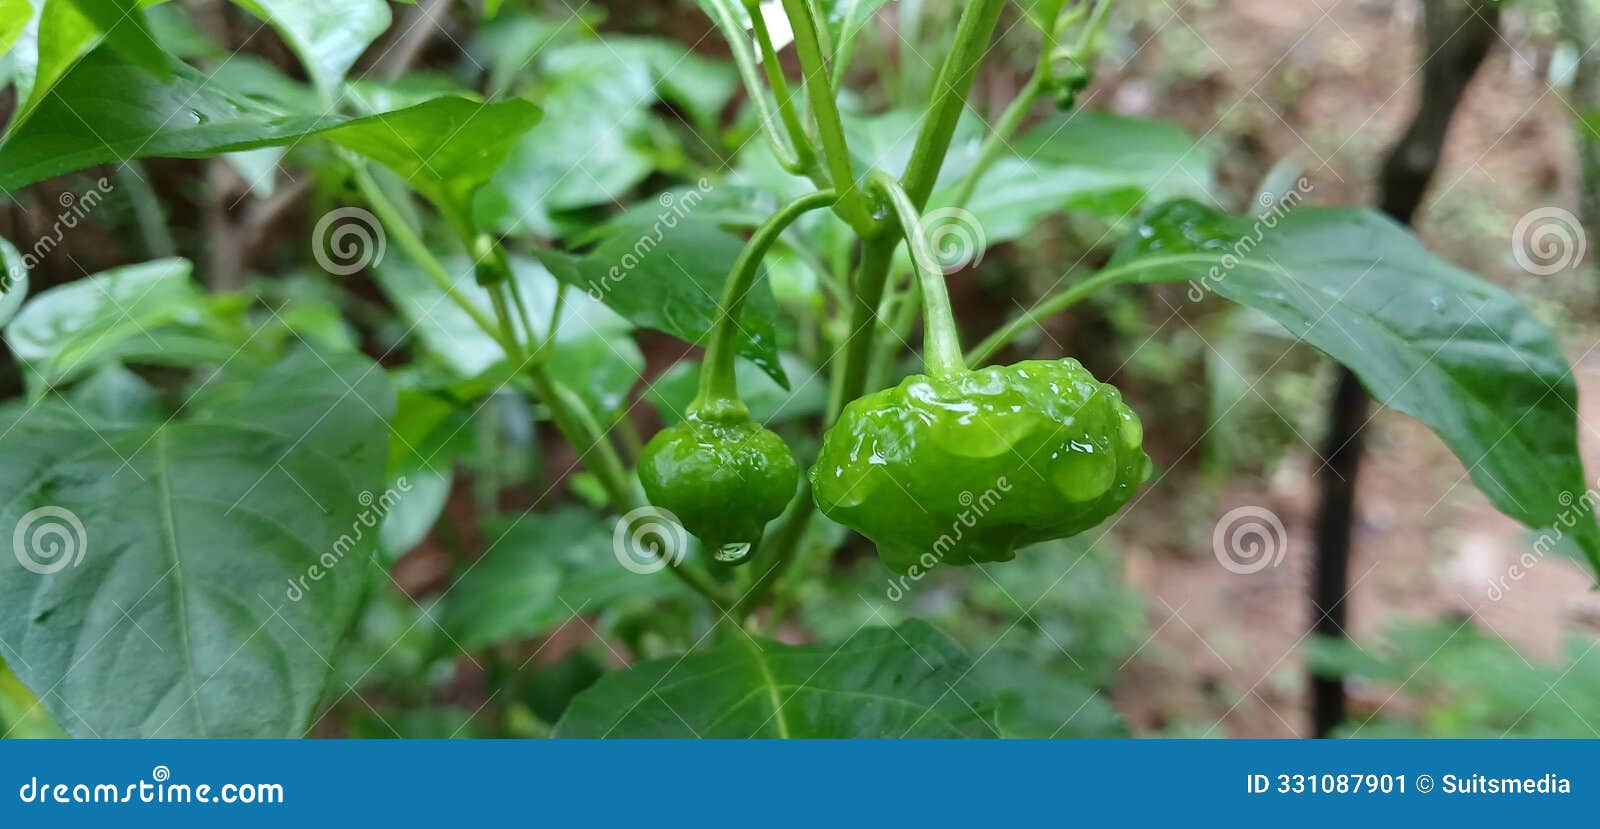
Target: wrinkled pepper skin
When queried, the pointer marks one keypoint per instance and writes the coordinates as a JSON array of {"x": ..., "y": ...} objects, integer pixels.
[
  {"x": 724, "y": 480},
  {"x": 967, "y": 467}
]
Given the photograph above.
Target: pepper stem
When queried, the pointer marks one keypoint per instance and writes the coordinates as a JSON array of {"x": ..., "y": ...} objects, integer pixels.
[
  {"x": 941, "y": 344},
  {"x": 718, "y": 395}
]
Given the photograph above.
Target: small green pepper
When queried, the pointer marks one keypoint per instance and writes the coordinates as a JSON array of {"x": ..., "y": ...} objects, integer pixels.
[
  {"x": 957, "y": 466},
  {"x": 723, "y": 480},
  {"x": 722, "y": 475}
]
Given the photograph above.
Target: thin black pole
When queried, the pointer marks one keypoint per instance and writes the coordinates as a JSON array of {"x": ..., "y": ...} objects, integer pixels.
[{"x": 1456, "y": 37}]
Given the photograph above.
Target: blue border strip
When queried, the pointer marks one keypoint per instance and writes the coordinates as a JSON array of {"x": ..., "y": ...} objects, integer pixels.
[{"x": 971, "y": 783}]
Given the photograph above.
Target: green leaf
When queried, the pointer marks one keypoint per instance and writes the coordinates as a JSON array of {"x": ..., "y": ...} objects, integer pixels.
[
  {"x": 56, "y": 34},
  {"x": 538, "y": 572},
  {"x": 14, "y": 18},
  {"x": 1461, "y": 355},
  {"x": 1095, "y": 163},
  {"x": 1030, "y": 702},
  {"x": 127, "y": 31},
  {"x": 600, "y": 138},
  {"x": 668, "y": 277},
  {"x": 1158, "y": 161},
  {"x": 422, "y": 499},
  {"x": 13, "y": 281},
  {"x": 592, "y": 351},
  {"x": 151, "y": 312},
  {"x": 175, "y": 546},
  {"x": 446, "y": 148},
  {"x": 138, "y": 115},
  {"x": 21, "y": 715},
  {"x": 115, "y": 397},
  {"x": 908, "y": 681},
  {"x": 440, "y": 723},
  {"x": 1015, "y": 194},
  {"x": 327, "y": 35}
]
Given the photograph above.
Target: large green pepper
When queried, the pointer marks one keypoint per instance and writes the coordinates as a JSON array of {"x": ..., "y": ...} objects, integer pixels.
[
  {"x": 958, "y": 466},
  {"x": 966, "y": 467}
]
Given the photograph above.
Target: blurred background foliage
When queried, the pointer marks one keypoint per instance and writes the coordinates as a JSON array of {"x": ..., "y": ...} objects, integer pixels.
[{"x": 1214, "y": 99}]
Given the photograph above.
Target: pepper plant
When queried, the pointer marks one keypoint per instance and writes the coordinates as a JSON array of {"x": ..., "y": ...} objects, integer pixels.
[{"x": 211, "y": 489}]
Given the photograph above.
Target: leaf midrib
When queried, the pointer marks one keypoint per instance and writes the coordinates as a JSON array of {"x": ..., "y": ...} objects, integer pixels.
[{"x": 169, "y": 528}]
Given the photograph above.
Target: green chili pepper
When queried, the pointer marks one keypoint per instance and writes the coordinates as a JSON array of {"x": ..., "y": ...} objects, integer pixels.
[
  {"x": 957, "y": 466},
  {"x": 723, "y": 480},
  {"x": 721, "y": 474}
]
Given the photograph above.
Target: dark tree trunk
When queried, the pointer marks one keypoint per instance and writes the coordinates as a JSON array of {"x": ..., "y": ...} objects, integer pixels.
[{"x": 1456, "y": 37}]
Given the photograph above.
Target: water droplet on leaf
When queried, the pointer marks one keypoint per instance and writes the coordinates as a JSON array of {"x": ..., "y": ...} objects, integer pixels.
[{"x": 730, "y": 553}]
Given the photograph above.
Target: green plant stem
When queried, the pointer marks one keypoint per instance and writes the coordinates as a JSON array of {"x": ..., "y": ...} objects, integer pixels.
[
  {"x": 950, "y": 90},
  {"x": 719, "y": 389},
  {"x": 941, "y": 345},
  {"x": 785, "y": 539},
  {"x": 904, "y": 311},
  {"x": 998, "y": 139},
  {"x": 852, "y": 204},
  {"x": 744, "y": 60},
  {"x": 414, "y": 247},
  {"x": 569, "y": 412},
  {"x": 1091, "y": 30},
  {"x": 1043, "y": 311},
  {"x": 845, "y": 48},
  {"x": 780, "y": 86},
  {"x": 956, "y": 75},
  {"x": 579, "y": 427}
]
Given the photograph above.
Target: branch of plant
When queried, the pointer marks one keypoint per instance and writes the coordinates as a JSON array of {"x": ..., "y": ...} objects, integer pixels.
[
  {"x": 998, "y": 140},
  {"x": 569, "y": 412},
  {"x": 852, "y": 204},
  {"x": 940, "y": 345},
  {"x": 1055, "y": 304},
  {"x": 845, "y": 48},
  {"x": 804, "y": 151},
  {"x": 956, "y": 75},
  {"x": 414, "y": 247},
  {"x": 718, "y": 387},
  {"x": 744, "y": 61}
]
